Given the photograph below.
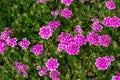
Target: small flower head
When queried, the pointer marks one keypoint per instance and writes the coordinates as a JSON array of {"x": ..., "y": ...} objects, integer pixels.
[
  {"x": 95, "y": 20},
  {"x": 2, "y": 47},
  {"x": 55, "y": 12},
  {"x": 93, "y": 38},
  {"x": 64, "y": 37},
  {"x": 78, "y": 29},
  {"x": 97, "y": 27},
  {"x": 66, "y": 13},
  {"x": 37, "y": 49},
  {"x": 110, "y": 5},
  {"x": 54, "y": 75},
  {"x": 80, "y": 39},
  {"x": 106, "y": 21},
  {"x": 52, "y": 64},
  {"x": 72, "y": 48},
  {"x": 66, "y": 2},
  {"x": 104, "y": 40},
  {"x": 42, "y": 1},
  {"x": 117, "y": 77},
  {"x": 12, "y": 42},
  {"x": 61, "y": 47},
  {"x": 45, "y": 32},
  {"x": 115, "y": 22},
  {"x": 24, "y": 43},
  {"x": 54, "y": 24},
  {"x": 41, "y": 70},
  {"x": 4, "y": 35},
  {"x": 102, "y": 63}
]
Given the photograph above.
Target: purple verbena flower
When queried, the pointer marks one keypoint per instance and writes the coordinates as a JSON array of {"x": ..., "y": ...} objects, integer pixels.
[
  {"x": 66, "y": 13},
  {"x": 61, "y": 46},
  {"x": 80, "y": 39},
  {"x": 110, "y": 5},
  {"x": 54, "y": 75},
  {"x": 24, "y": 43},
  {"x": 97, "y": 27},
  {"x": 42, "y": 1},
  {"x": 78, "y": 29},
  {"x": 41, "y": 70},
  {"x": 104, "y": 40},
  {"x": 66, "y": 2},
  {"x": 45, "y": 32},
  {"x": 4, "y": 35},
  {"x": 95, "y": 20},
  {"x": 12, "y": 42},
  {"x": 55, "y": 12},
  {"x": 115, "y": 22},
  {"x": 106, "y": 21},
  {"x": 2, "y": 46},
  {"x": 102, "y": 63},
  {"x": 93, "y": 38},
  {"x": 64, "y": 37},
  {"x": 72, "y": 48},
  {"x": 54, "y": 24},
  {"x": 52, "y": 64},
  {"x": 37, "y": 49}
]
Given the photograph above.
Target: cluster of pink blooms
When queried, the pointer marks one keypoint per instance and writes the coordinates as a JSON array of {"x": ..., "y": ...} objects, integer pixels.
[
  {"x": 37, "y": 49},
  {"x": 70, "y": 44},
  {"x": 41, "y": 70},
  {"x": 42, "y": 1},
  {"x": 66, "y": 2},
  {"x": 78, "y": 29},
  {"x": 5, "y": 40},
  {"x": 45, "y": 32},
  {"x": 24, "y": 43},
  {"x": 94, "y": 39},
  {"x": 111, "y": 22},
  {"x": 66, "y": 13},
  {"x": 97, "y": 27},
  {"x": 21, "y": 69},
  {"x": 102, "y": 63},
  {"x": 110, "y": 5},
  {"x": 52, "y": 65},
  {"x": 55, "y": 12},
  {"x": 117, "y": 77}
]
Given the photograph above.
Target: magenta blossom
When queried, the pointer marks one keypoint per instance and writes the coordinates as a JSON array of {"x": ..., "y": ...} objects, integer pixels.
[
  {"x": 78, "y": 29},
  {"x": 104, "y": 40},
  {"x": 54, "y": 75},
  {"x": 72, "y": 48},
  {"x": 66, "y": 13},
  {"x": 37, "y": 49},
  {"x": 93, "y": 38},
  {"x": 66, "y": 2},
  {"x": 54, "y": 24},
  {"x": 41, "y": 70},
  {"x": 110, "y": 5},
  {"x": 102, "y": 63},
  {"x": 45, "y": 32},
  {"x": 52, "y": 64},
  {"x": 97, "y": 27},
  {"x": 106, "y": 21},
  {"x": 2, "y": 47},
  {"x": 115, "y": 22},
  {"x": 55, "y": 12},
  {"x": 4, "y": 35},
  {"x": 61, "y": 47},
  {"x": 12, "y": 42},
  {"x": 42, "y": 1},
  {"x": 24, "y": 43}
]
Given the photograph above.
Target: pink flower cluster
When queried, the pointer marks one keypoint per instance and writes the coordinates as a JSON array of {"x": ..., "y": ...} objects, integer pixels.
[
  {"x": 45, "y": 32},
  {"x": 97, "y": 27},
  {"x": 52, "y": 65},
  {"x": 110, "y": 5},
  {"x": 111, "y": 22},
  {"x": 78, "y": 29},
  {"x": 21, "y": 69},
  {"x": 55, "y": 12},
  {"x": 70, "y": 45},
  {"x": 66, "y": 13},
  {"x": 5, "y": 40},
  {"x": 42, "y": 1},
  {"x": 94, "y": 39},
  {"x": 117, "y": 77},
  {"x": 102, "y": 63},
  {"x": 66, "y": 2},
  {"x": 37, "y": 49},
  {"x": 24, "y": 43},
  {"x": 41, "y": 70}
]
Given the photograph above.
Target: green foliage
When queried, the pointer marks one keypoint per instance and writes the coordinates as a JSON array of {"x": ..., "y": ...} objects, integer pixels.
[{"x": 25, "y": 17}]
